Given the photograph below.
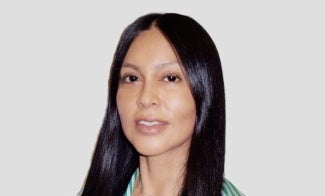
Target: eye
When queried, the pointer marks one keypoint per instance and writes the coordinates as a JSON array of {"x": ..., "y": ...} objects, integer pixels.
[
  {"x": 171, "y": 78},
  {"x": 129, "y": 78}
]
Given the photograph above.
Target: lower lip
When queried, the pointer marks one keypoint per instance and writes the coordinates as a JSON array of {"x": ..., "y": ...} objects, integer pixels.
[{"x": 150, "y": 130}]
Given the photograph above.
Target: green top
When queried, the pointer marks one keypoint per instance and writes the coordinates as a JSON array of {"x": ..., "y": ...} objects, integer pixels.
[{"x": 228, "y": 189}]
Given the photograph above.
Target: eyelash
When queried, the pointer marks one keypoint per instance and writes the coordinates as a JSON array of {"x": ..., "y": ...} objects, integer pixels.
[
  {"x": 175, "y": 75},
  {"x": 126, "y": 78}
]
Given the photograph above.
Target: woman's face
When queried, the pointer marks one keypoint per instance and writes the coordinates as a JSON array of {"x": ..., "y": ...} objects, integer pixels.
[{"x": 154, "y": 101}]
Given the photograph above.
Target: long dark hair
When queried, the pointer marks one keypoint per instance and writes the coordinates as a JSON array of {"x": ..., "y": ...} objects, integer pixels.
[{"x": 115, "y": 160}]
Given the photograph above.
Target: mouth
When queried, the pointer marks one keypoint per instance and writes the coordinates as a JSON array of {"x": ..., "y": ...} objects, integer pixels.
[
  {"x": 150, "y": 126},
  {"x": 150, "y": 123}
]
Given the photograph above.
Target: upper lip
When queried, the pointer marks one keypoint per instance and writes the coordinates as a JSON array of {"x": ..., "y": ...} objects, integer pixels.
[{"x": 150, "y": 119}]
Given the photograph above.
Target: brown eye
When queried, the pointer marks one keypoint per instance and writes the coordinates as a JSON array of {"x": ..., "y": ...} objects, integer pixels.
[
  {"x": 129, "y": 79},
  {"x": 171, "y": 78},
  {"x": 132, "y": 78}
]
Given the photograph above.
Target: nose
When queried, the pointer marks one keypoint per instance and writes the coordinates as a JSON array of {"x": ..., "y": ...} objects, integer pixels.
[{"x": 148, "y": 96}]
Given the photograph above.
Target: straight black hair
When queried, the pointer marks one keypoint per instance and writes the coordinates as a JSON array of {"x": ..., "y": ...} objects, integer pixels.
[{"x": 115, "y": 160}]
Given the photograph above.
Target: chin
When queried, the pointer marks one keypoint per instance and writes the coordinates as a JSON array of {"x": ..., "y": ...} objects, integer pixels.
[{"x": 149, "y": 149}]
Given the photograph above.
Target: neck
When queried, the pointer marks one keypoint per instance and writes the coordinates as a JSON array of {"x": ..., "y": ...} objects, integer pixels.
[{"x": 161, "y": 175}]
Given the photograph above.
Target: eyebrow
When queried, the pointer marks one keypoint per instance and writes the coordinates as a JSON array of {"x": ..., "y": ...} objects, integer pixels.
[{"x": 156, "y": 66}]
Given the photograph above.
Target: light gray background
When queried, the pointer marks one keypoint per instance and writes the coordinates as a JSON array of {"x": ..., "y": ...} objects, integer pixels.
[{"x": 54, "y": 64}]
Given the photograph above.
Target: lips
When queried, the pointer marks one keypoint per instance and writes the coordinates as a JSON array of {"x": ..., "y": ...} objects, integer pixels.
[
  {"x": 150, "y": 126},
  {"x": 150, "y": 123}
]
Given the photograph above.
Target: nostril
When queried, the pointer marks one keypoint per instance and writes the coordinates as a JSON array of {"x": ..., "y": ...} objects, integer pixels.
[{"x": 148, "y": 97}]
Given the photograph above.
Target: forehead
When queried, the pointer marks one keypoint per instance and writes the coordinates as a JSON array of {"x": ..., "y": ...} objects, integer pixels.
[{"x": 150, "y": 47}]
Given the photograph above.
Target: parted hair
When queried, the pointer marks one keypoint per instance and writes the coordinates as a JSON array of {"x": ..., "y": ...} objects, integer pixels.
[{"x": 115, "y": 159}]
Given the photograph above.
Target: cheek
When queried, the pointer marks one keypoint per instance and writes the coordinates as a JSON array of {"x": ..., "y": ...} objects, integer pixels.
[
  {"x": 124, "y": 99},
  {"x": 181, "y": 107},
  {"x": 188, "y": 114},
  {"x": 123, "y": 106},
  {"x": 119, "y": 103},
  {"x": 127, "y": 107}
]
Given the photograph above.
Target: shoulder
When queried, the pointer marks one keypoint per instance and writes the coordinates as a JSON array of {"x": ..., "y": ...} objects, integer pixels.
[{"x": 228, "y": 189}]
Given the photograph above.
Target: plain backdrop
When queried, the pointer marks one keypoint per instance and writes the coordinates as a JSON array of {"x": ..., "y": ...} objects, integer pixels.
[{"x": 54, "y": 64}]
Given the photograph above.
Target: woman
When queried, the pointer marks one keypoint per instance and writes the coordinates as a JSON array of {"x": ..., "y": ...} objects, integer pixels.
[{"x": 164, "y": 130}]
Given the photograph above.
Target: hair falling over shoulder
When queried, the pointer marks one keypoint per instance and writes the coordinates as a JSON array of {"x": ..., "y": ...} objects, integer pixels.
[{"x": 115, "y": 160}]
